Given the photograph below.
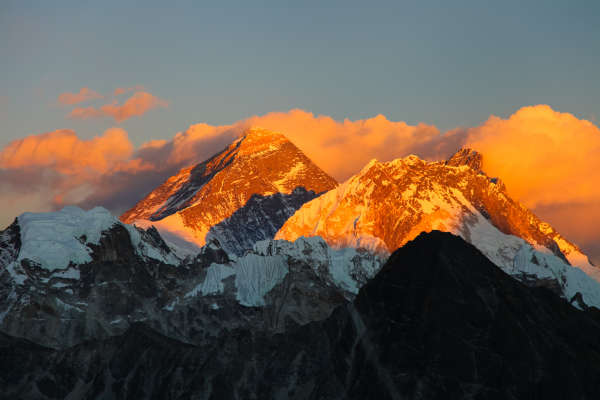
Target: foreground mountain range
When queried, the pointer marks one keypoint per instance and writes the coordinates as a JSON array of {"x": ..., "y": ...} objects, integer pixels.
[
  {"x": 102, "y": 279},
  {"x": 258, "y": 251},
  {"x": 439, "y": 321}
]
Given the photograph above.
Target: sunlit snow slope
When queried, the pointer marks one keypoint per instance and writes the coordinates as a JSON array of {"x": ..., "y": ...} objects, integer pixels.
[{"x": 388, "y": 204}]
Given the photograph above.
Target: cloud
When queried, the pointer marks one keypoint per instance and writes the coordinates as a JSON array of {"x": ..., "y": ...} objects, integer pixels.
[
  {"x": 137, "y": 105},
  {"x": 120, "y": 90},
  {"x": 84, "y": 94},
  {"x": 62, "y": 151},
  {"x": 545, "y": 157},
  {"x": 48, "y": 171},
  {"x": 342, "y": 148}
]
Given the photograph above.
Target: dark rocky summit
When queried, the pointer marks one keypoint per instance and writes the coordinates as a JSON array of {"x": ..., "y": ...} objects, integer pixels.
[
  {"x": 440, "y": 321},
  {"x": 469, "y": 157}
]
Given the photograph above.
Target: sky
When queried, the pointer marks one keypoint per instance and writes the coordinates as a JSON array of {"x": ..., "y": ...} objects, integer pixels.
[{"x": 100, "y": 102}]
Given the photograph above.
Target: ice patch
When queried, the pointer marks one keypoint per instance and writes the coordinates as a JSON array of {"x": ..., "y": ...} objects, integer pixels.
[
  {"x": 213, "y": 281},
  {"x": 18, "y": 277},
  {"x": 344, "y": 268},
  {"x": 340, "y": 273},
  {"x": 256, "y": 276},
  {"x": 532, "y": 262}
]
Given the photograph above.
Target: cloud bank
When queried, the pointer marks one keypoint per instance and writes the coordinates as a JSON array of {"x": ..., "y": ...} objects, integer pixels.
[
  {"x": 544, "y": 156},
  {"x": 547, "y": 159}
]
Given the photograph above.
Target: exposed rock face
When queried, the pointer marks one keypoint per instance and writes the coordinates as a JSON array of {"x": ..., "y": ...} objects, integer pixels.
[
  {"x": 100, "y": 284},
  {"x": 469, "y": 157},
  {"x": 388, "y": 204},
  {"x": 259, "y": 219},
  {"x": 439, "y": 321},
  {"x": 222, "y": 190}
]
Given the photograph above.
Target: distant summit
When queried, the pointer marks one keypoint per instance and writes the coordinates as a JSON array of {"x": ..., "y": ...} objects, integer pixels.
[{"x": 241, "y": 195}]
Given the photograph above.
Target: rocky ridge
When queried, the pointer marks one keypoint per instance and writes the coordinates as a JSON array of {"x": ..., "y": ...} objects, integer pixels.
[
  {"x": 109, "y": 275},
  {"x": 388, "y": 204}
]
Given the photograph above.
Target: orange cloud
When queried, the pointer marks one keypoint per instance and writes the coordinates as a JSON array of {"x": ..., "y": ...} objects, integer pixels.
[
  {"x": 83, "y": 95},
  {"x": 137, "y": 105},
  {"x": 340, "y": 148},
  {"x": 544, "y": 156},
  {"x": 120, "y": 90},
  {"x": 64, "y": 152},
  {"x": 44, "y": 172},
  {"x": 343, "y": 148}
]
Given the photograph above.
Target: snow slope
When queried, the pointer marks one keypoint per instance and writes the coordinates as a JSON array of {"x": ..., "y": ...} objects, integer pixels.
[{"x": 269, "y": 261}]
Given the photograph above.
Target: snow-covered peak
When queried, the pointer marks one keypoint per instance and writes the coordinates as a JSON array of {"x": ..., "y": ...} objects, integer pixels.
[
  {"x": 259, "y": 132},
  {"x": 54, "y": 239}
]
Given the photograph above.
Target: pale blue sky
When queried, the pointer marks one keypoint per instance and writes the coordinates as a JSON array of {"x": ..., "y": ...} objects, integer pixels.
[{"x": 448, "y": 63}]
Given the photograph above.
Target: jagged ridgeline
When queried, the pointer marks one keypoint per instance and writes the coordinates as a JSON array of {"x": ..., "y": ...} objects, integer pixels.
[
  {"x": 257, "y": 249},
  {"x": 73, "y": 275},
  {"x": 388, "y": 204}
]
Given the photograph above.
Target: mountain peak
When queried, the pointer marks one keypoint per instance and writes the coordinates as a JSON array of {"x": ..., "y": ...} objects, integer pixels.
[
  {"x": 260, "y": 167},
  {"x": 466, "y": 156},
  {"x": 257, "y": 132}
]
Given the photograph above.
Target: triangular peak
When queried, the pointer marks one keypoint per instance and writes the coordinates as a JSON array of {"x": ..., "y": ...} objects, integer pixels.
[{"x": 467, "y": 156}]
